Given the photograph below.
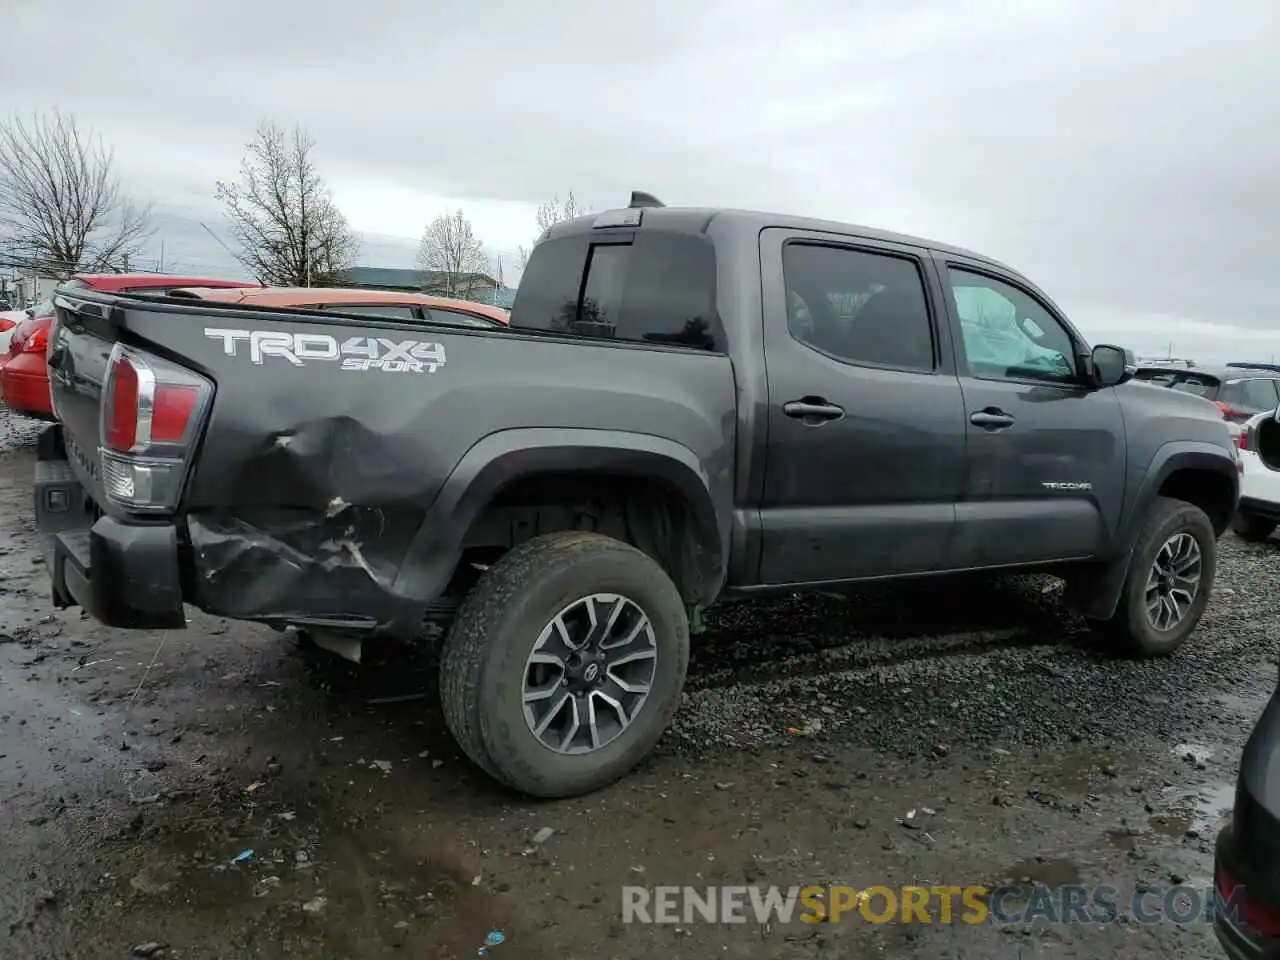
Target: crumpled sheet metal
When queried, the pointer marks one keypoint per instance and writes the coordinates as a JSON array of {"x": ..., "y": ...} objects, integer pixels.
[{"x": 272, "y": 563}]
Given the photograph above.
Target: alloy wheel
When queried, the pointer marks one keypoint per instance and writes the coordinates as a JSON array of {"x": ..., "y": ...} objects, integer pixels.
[
  {"x": 589, "y": 674},
  {"x": 1174, "y": 581}
]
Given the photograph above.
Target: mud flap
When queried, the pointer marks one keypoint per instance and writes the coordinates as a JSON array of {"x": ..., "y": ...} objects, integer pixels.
[{"x": 1094, "y": 591}]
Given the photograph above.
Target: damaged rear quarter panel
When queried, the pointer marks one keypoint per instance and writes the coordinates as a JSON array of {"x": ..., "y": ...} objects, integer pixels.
[{"x": 312, "y": 480}]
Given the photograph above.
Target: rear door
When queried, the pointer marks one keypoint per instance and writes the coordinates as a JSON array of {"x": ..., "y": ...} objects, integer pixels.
[
  {"x": 1046, "y": 452},
  {"x": 865, "y": 456}
]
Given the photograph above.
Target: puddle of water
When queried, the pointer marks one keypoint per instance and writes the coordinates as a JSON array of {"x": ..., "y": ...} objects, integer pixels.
[
  {"x": 1202, "y": 811},
  {"x": 1047, "y": 871},
  {"x": 1181, "y": 814},
  {"x": 1198, "y": 752},
  {"x": 1124, "y": 838}
]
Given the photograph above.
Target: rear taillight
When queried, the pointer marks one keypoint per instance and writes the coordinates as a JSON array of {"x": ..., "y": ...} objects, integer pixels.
[
  {"x": 38, "y": 342},
  {"x": 151, "y": 413},
  {"x": 1235, "y": 900},
  {"x": 1243, "y": 442},
  {"x": 6, "y": 325}
]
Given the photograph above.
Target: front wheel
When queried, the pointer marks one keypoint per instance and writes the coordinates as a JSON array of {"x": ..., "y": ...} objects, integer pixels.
[
  {"x": 565, "y": 664},
  {"x": 1169, "y": 581},
  {"x": 1252, "y": 528}
]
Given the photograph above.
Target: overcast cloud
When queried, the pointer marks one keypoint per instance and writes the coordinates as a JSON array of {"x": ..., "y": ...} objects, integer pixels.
[{"x": 1124, "y": 155}]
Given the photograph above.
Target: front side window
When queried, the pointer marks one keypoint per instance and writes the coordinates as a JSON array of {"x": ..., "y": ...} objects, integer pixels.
[
  {"x": 858, "y": 307},
  {"x": 1008, "y": 334}
]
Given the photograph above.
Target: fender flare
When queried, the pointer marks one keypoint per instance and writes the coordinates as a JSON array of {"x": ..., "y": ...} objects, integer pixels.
[
  {"x": 1169, "y": 458},
  {"x": 1096, "y": 591},
  {"x": 500, "y": 459}
]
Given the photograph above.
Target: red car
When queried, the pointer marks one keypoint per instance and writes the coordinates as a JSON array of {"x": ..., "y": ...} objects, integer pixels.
[{"x": 24, "y": 378}]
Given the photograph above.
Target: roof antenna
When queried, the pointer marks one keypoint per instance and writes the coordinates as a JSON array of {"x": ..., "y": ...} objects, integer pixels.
[{"x": 641, "y": 199}]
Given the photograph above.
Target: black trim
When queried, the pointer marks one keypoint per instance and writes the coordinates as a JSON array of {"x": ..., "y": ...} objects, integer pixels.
[{"x": 1259, "y": 508}]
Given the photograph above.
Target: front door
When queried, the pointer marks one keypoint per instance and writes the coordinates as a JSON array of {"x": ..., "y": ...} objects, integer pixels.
[
  {"x": 866, "y": 426},
  {"x": 1046, "y": 451}
]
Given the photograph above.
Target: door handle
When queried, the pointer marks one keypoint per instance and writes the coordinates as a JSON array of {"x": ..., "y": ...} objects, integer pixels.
[
  {"x": 992, "y": 418},
  {"x": 812, "y": 410}
]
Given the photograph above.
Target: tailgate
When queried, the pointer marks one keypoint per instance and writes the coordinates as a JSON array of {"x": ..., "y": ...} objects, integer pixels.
[{"x": 79, "y": 350}]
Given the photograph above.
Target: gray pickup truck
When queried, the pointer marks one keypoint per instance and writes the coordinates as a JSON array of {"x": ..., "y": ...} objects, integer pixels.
[{"x": 687, "y": 403}]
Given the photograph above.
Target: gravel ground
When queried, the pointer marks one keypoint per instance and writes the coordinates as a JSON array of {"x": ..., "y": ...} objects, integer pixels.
[{"x": 134, "y": 767}]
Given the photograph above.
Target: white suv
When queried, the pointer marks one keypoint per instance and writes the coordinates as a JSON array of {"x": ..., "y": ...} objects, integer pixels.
[{"x": 1259, "y": 511}]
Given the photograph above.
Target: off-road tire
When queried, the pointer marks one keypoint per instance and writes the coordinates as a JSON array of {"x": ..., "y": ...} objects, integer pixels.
[
  {"x": 482, "y": 664},
  {"x": 1253, "y": 528},
  {"x": 1129, "y": 632}
]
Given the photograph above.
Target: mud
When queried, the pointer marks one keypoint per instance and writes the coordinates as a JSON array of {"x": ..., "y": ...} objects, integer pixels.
[{"x": 966, "y": 733}]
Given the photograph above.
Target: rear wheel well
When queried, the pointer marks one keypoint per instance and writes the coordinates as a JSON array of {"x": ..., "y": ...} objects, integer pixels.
[
  {"x": 649, "y": 513},
  {"x": 1211, "y": 492}
]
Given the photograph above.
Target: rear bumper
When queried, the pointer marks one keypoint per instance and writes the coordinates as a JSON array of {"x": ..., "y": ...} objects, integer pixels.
[
  {"x": 124, "y": 575},
  {"x": 24, "y": 385},
  {"x": 1239, "y": 940}
]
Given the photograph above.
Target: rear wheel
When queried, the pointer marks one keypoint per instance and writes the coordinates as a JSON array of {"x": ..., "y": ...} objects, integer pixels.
[
  {"x": 565, "y": 664},
  {"x": 1253, "y": 528},
  {"x": 1169, "y": 581}
]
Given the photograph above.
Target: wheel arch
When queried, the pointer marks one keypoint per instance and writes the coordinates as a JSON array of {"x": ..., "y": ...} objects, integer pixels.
[
  {"x": 1199, "y": 473},
  {"x": 1193, "y": 471},
  {"x": 671, "y": 500}
]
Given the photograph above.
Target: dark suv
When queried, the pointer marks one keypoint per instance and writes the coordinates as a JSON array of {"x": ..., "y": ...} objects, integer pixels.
[
  {"x": 1241, "y": 390},
  {"x": 1248, "y": 852}
]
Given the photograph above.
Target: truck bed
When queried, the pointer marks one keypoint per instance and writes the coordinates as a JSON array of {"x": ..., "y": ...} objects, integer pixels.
[{"x": 341, "y": 456}]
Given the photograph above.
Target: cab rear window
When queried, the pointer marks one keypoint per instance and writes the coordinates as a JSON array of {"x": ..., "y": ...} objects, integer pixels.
[{"x": 646, "y": 287}]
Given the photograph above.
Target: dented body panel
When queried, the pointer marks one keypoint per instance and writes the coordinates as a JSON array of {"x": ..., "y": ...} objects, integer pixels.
[{"x": 324, "y": 489}]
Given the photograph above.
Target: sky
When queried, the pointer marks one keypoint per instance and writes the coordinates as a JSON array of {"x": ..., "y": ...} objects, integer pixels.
[{"x": 1122, "y": 155}]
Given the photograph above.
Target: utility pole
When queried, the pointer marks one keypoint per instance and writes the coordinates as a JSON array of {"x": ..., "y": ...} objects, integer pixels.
[{"x": 230, "y": 252}]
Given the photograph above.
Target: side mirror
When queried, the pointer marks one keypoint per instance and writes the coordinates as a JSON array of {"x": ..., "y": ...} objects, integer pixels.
[{"x": 1112, "y": 365}]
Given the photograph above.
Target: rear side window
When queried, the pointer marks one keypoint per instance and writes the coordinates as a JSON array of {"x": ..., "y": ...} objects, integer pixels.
[
  {"x": 1201, "y": 386},
  {"x": 436, "y": 315},
  {"x": 1197, "y": 383},
  {"x": 860, "y": 307},
  {"x": 1255, "y": 396},
  {"x": 648, "y": 287}
]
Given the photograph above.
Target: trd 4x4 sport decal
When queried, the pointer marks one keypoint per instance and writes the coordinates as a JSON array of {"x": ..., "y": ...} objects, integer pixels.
[{"x": 355, "y": 353}]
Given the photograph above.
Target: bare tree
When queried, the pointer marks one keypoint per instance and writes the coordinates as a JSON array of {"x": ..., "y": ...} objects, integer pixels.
[
  {"x": 61, "y": 207},
  {"x": 288, "y": 230},
  {"x": 451, "y": 250},
  {"x": 549, "y": 214}
]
